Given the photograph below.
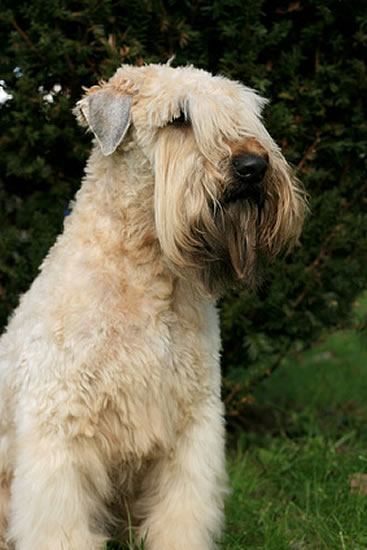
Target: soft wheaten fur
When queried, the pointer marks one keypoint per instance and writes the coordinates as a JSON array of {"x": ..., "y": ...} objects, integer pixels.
[{"x": 110, "y": 408}]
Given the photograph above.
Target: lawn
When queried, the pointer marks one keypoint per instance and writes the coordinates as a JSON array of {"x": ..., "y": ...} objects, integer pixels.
[{"x": 299, "y": 475}]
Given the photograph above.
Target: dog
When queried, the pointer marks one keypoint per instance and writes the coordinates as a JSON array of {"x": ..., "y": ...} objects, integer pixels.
[{"x": 110, "y": 409}]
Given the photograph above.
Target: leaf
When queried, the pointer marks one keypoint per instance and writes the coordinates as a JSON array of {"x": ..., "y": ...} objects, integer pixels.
[{"x": 358, "y": 483}]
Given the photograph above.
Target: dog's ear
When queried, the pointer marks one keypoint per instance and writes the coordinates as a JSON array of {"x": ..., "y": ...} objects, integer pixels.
[{"x": 108, "y": 114}]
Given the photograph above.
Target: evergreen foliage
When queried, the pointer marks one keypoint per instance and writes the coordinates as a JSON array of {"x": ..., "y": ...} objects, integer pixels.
[{"x": 305, "y": 55}]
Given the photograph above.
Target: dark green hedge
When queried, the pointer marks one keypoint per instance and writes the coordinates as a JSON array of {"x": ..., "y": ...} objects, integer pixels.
[{"x": 305, "y": 55}]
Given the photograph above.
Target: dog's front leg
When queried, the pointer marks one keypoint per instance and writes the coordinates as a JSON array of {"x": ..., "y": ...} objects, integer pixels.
[
  {"x": 183, "y": 493},
  {"x": 56, "y": 494}
]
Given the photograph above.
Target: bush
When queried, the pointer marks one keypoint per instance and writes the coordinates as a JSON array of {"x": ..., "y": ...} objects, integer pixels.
[{"x": 305, "y": 55}]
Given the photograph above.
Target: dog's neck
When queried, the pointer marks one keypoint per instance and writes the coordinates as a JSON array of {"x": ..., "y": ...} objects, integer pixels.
[
  {"x": 115, "y": 202},
  {"x": 113, "y": 220}
]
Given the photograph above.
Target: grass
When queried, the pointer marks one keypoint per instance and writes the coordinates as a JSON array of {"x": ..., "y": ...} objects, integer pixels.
[
  {"x": 292, "y": 470},
  {"x": 292, "y": 474}
]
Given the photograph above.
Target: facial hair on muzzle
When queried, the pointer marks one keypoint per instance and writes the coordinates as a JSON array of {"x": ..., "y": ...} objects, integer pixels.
[{"x": 230, "y": 249}]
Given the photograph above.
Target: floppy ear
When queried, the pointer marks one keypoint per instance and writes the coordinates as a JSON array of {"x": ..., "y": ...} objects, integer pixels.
[{"x": 108, "y": 114}]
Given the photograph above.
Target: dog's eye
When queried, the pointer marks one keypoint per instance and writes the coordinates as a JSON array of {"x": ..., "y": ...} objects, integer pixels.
[{"x": 180, "y": 121}]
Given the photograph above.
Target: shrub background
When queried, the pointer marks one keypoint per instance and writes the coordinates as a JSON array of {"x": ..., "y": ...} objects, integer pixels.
[{"x": 305, "y": 55}]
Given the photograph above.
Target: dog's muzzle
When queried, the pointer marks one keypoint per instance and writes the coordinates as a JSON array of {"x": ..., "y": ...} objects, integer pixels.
[{"x": 248, "y": 172}]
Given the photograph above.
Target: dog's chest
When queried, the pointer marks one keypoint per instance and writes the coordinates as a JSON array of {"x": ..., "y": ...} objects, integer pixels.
[{"x": 161, "y": 375}]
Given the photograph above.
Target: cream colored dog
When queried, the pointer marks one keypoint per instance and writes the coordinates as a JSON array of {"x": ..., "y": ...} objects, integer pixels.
[{"x": 109, "y": 369}]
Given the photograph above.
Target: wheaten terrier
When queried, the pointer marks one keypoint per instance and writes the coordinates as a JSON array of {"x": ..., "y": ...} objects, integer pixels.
[{"x": 110, "y": 401}]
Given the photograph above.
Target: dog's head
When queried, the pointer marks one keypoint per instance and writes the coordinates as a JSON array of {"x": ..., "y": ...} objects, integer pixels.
[{"x": 225, "y": 197}]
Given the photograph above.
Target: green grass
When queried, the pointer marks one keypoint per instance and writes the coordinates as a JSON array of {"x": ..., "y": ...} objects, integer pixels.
[{"x": 292, "y": 470}]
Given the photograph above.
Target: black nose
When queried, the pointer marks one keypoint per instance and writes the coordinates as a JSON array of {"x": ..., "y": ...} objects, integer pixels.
[{"x": 249, "y": 168}]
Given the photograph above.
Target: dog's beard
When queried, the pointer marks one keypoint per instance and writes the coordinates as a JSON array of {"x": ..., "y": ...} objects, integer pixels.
[
  {"x": 218, "y": 247},
  {"x": 213, "y": 243},
  {"x": 228, "y": 251}
]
